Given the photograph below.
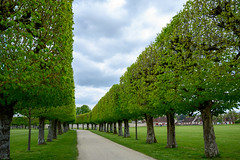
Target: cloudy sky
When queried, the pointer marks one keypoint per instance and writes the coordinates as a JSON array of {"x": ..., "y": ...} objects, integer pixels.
[{"x": 108, "y": 37}]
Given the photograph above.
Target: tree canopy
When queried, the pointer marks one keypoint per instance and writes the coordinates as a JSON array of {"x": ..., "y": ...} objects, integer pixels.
[
  {"x": 35, "y": 58},
  {"x": 83, "y": 109}
]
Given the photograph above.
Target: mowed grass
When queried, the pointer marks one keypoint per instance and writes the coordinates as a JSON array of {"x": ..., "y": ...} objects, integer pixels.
[
  {"x": 189, "y": 139},
  {"x": 63, "y": 148}
]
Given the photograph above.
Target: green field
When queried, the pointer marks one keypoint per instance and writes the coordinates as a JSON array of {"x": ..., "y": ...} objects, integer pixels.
[
  {"x": 63, "y": 148},
  {"x": 189, "y": 139}
]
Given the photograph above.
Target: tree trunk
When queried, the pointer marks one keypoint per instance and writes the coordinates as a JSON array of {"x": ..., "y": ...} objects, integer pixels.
[
  {"x": 111, "y": 127},
  {"x": 211, "y": 149},
  {"x": 54, "y": 129},
  {"x": 95, "y": 126},
  {"x": 72, "y": 126},
  {"x": 50, "y": 131},
  {"x": 120, "y": 132},
  {"x": 29, "y": 129},
  {"x": 171, "y": 139},
  {"x": 150, "y": 130},
  {"x": 77, "y": 126},
  {"x": 99, "y": 128},
  {"x": 126, "y": 129},
  {"x": 104, "y": 127},
  {"x": 59, "y": 128},
  {"x": 83, "y": 126},
  {"x": 6, "y": 114},
  {"x": 107, "y": 127},
  {"x": 65, "y": 127},
  {"x": 136, "y": 129},
  {"x": 114, "y": 128},
  {"x": 87, "y": 126},
  {"x": 92, "y": 126},
  {"x": 41, "y": 130}
]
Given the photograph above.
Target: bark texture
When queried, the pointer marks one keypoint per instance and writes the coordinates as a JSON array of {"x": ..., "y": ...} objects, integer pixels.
[
  {"x": 114, "y": 128},
  {"x": 59, "y": 124},
  {"x": 6, "y": 114},
  {"x": 77, "y": 126},
  {"x": 41, "y": 130},
  {"x": 120, "y": 132},
  {"x": 126, "y": 129},
  {"x": 211, "y": 149},
  {"x": 87, "y": 126},
  {"x": 65, "y": 127},
  {"x": 50, "y": 131},
  {"x": 68, "y": 127},
  {"x": 171, "y": 139},
  {"x": 54, "y": 129},
  {"x": 150, "y": 130},
  {"x": 111, "y": 127},
  {"x": 108, "y": 127},
  {"x": 104, "y": 127}
]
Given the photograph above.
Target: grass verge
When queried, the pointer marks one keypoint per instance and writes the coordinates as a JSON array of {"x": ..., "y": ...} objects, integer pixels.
[
  {"x": 63, "y": 148},
  {"x": 189, "y": 139}
]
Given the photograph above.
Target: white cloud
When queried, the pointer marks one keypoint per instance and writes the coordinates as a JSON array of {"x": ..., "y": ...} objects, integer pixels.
[
  {"x": 109, "y": 35},
  {"x": 146, "y": 25},
  {"x": 89, "y": 95},
  {"x": 115, "y": 8}
]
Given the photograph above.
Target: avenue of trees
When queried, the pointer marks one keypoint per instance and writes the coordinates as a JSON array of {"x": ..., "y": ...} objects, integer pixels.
[
  {"x": 36, "y": 76},
  {"x": 192, "y": 66}
]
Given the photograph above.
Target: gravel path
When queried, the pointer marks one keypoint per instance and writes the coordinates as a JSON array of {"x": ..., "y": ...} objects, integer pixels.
[{"x": 95, "y": 147}]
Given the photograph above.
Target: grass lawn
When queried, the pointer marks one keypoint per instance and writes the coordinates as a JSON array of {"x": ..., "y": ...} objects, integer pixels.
[
  {"x": 63, "y": 148},
  {"x": 189, "y": 139}
]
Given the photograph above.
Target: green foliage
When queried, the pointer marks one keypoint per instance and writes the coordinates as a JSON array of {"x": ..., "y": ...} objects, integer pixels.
[
  {"x": 83, "y": 118},
  {"x": 83, "y": 109},
  {"x": 205, "y": 57},
  {"x": 20, "y": 121},
  {"x": 237, "y": 121},
  {"x": 35, "y": 65},
  {"x": 194, "y": 60}
]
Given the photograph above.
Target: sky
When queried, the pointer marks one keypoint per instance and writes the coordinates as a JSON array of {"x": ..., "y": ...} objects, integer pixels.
[{"x": 109, "y": 35}]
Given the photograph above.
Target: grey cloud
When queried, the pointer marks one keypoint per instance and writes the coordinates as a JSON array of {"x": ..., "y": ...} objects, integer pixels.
[
  {"x": 91, "y": 75},
  {"x": 95, "y": 22},
  {"x": 103, "y": 42},
  {"x": 95, "y": 78}
]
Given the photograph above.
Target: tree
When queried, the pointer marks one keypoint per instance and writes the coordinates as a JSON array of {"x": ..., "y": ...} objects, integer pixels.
[
  {"x": 35, "y": 55},
  {"x": 164, "y": 95},
  {"x": 139, "y": 85},
  {"x": 232, "y": 116},
  {"x": 83, "y": 109},
  {"x": 207, "y": 61}
]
